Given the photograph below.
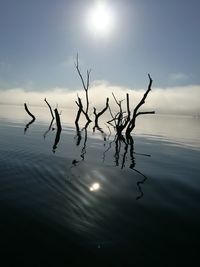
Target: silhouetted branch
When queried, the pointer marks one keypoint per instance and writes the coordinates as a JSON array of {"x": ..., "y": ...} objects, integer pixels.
[
  {"x": 80, "y": 108},
  {"x": 49, "y": 108},
  {"x": 59, "y": 129},
  {"x": 85, "y": 86},
  {"x": 131, "y": 123},
  {"x": 57, "y": 119},
  {"x": 97, "y": 115},
  {"x": 113, "y": 118},
  {"x": 80, "y": 105},
  {"x": 124, "y": 120},
  {"x": 29, "y": 113}
]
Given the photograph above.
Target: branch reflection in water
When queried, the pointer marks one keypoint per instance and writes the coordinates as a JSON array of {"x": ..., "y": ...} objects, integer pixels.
[
  {"x": 28, "y": 124},
  {"x": 59, "y": 129},
  {"x": 49, "y": 129},
  {"x": 128, "y": 143},
  {"x": 78, "y": 138},
  {"x": 121, "y": 158}
]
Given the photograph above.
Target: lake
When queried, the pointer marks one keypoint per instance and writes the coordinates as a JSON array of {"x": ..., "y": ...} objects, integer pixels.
[{"x": 89, "y": 200}]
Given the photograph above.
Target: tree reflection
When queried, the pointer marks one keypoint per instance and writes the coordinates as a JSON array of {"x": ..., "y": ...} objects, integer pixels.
[
  {"x": 49, "y": 129},
  {"x": 28, "y": 124},
  {"x": 121, "y": 158}
]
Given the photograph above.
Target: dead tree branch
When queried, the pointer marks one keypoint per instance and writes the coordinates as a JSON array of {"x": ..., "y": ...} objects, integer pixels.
[
  {"x": 97, "y": 115},
  {"x": 80, "y": 105},
  {"x": 124, "y": 120},
  {"x": 29, "y": 113},
  {"x": 86, "y": 85},
  {"x": 49, "y": 108},
  {"x": 59, "y": 129},
  {"x": 57, "y": 119},
  {"x": 131, "y": 124}
]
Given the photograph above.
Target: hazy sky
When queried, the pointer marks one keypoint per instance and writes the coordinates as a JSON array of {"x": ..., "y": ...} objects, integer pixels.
[{"x": 39, "y": 40}]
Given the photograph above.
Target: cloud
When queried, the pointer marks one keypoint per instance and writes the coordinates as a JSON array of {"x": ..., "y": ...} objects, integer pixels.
[
  {"x": 179, "y": 76},
  {"x": 178, "y": 100}
]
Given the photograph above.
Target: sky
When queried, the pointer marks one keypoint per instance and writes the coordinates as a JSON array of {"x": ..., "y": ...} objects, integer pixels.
[{"x": 39, "y": 40}]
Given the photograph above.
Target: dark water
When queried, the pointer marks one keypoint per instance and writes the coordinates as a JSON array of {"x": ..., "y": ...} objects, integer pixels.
[{"x": 145, "y": 209}]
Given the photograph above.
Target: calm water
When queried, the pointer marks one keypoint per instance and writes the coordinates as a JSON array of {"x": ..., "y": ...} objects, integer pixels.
[{"x": 93, "y": 201}]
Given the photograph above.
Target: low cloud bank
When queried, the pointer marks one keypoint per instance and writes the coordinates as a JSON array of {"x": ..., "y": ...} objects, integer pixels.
[{"x": 174, "y": 100}]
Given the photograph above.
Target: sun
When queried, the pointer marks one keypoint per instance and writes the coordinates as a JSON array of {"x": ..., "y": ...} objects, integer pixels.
[{"x": 100, "y": 19}]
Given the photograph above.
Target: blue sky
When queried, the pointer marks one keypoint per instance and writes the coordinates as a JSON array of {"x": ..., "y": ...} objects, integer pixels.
[{"x": 39, "y": 40}]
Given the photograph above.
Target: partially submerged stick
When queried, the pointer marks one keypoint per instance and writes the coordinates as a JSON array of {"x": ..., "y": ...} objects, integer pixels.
[
  {"x": 59, "y": 129},
  {"x": 131, "y": 123},
  {"x": 29, "y": 113},
  {"x": 57, "y": 119},
  {"x": 97, "y": 115},
  {"x": 49, "y": 108}
]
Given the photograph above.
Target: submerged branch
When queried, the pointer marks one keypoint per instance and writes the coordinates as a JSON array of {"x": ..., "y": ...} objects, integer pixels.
[
  {"x": 97, "y": 115},
  {"x": 49, "y": 108},
  {"x": 59, "y": 129},
  {"x": 57, "y": 119},
  {"x": 131, "y": 124},
  {"x": 29, "y": 113}
]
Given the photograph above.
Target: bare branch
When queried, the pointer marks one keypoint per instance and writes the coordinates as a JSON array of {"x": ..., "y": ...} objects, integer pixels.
[
  {"x": 131, "y": 124},
  {"x": 29, "y": 113},
  {"x": 49, "y": 108},
  {"x": 97, "y": 115},
  {"x": 142, "y": 101}
]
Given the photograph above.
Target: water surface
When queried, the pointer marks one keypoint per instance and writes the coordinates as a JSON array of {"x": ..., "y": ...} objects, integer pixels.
[{"x": 146, "y": 208}]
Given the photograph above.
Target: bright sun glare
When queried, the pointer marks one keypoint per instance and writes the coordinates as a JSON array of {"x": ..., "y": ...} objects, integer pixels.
[
  {"x": 95, "y": 187},
  {"x": 100, "y": 19}
]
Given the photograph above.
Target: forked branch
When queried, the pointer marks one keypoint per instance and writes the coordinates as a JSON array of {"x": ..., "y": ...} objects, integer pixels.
[
  {"x": 97, "y": 115},
  {"x": 131, "y": 124}
]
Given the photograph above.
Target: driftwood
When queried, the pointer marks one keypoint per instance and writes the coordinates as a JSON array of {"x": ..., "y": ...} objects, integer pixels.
[
  {"x": 32, "y": 116},
  {"x": 29, "y": 113},
  {"x": 59, "y": 129},
  {"x": 57, "y": 119},
  {"x": 49, "y": 108}
]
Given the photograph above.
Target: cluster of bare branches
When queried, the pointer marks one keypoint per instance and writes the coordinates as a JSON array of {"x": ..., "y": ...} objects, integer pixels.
[
  {"x": 123, "y": 121},
  {"x": 86, "y": 83}
]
